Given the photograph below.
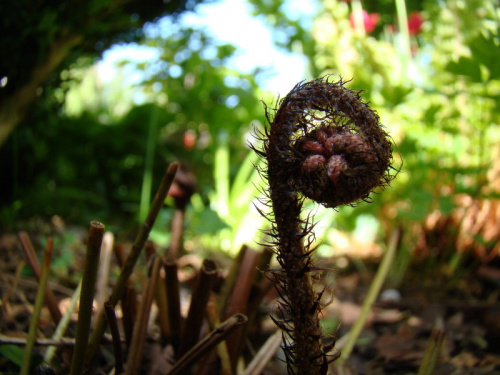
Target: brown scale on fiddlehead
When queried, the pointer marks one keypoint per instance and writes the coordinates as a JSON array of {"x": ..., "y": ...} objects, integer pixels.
[{"x": 326, "y": 144}]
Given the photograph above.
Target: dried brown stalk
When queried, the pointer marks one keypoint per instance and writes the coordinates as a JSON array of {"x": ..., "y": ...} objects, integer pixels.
[
  {"x": 115, "y": 335},
  {"x": 174, "y": 303},
  {"x": 238, "y": 303},
  {"x": 94, "y": 241},
  {"x": 207, "y": 343},
  {"x": 141, "y": 322},
  {"x": 103, "y": 273},
  {"x": 50, "y": 299},
  {"x": 30, "y": 342},
  {"x": 162, "y": 303},
  {"x": 199, "y": 299},
  {"x": 142, "y": 236}
]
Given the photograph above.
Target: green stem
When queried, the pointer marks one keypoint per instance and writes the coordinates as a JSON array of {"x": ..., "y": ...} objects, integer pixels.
[
  {"x": 374, "y": 291},
  {"x": 221, "y": 175},
  {"x": 50, "y": 299},
  {"x": 405, "y": 50},
  {"x": 357, "y": 11},
  {"x": 63, "y": 324},
  {"x": 432, "y": 352},
  {"x": 39, "y": 300},
  {"x": 96, "y": 232},
  {"x": 147, "y": 180}
]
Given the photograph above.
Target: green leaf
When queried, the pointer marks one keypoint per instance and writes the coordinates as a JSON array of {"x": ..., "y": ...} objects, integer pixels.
[
  {"x": 207, "y": 221},
  {"x": 13, "y": 353},
  {"x": 486, "y": 52},
  {"x": 466, "y": 66},
  {"x": 446, "y": 205}
]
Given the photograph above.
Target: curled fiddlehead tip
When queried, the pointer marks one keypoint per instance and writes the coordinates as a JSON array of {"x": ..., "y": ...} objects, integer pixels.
[{"x": 328, "y": 144}]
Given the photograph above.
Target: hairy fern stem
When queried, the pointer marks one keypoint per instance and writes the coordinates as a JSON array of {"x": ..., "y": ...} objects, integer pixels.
[{"x": 326, "y": 144}]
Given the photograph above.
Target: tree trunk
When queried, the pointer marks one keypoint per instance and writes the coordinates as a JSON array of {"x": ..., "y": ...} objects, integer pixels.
[{"x": 13, "y": 109}]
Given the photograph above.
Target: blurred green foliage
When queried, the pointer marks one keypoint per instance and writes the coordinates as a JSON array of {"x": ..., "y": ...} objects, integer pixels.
[
  {"x": 87, "y": 154},
  {"x": 436, "y": 90}
]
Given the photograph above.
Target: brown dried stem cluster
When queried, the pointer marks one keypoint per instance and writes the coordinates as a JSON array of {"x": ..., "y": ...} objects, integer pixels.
[{"x": 325, "y": 144}]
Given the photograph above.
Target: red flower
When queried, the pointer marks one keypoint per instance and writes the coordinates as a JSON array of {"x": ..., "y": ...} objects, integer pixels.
[
  {"x": 370, "y": 20},
  {"x": 189, "y": 139},
  {"x": 415, "y": 22}
]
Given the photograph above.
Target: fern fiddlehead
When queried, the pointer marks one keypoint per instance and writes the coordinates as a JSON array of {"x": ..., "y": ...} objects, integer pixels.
[{"x": 326, "y": 144}]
